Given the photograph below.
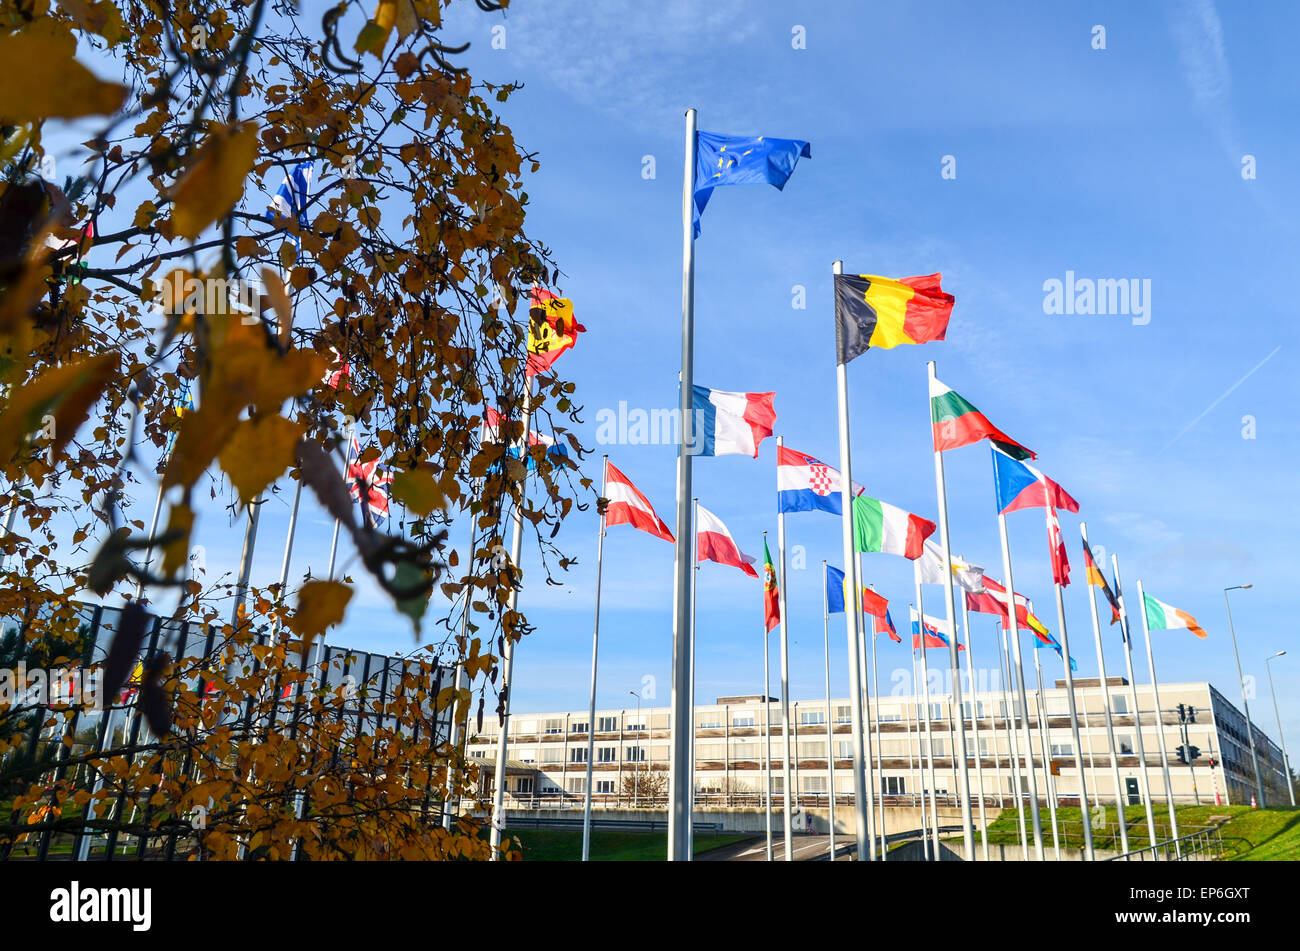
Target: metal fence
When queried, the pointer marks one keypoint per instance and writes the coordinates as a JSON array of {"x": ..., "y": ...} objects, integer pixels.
[{"x": 1204, "y": 845}]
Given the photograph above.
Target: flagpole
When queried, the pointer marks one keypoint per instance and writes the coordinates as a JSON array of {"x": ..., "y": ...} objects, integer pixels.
[
  {"x": 875, "y": 679},
  {"x": 851, "y": 617},
  {"x": 925, "y": 693},
  {"x": 1012, "y": 628},
  {"x": 767, "y": 730},
  {"x": 1074, "y": 716},
  {"x": 1160, "y": 726},
  {"x": 870, "y": 752},
  {"x": 334, "y": 542},
  {"x": 830, "y": 712},
  {"x": 682, "y": 738},
  {"x": 454, "y": 728},
  {"x": 1013, "y": 746},
  {"x": 695, "y": 579},
  {"x": 512, "y": 600},
  {"x": 1044, "y": 743},
  {"x": 975, "y": 723},
  {"x": 787, "y": 824},
  {"x": 1105, "y": 707},
  {"x": 944, "y": 542},
  {"x": 1137, "y": 713},
  {"x": 595, "y": 647},
  {"x": 915, "y": 767}
]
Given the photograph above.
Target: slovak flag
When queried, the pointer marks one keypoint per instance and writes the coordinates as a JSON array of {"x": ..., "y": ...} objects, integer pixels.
[
  {"x": 730, "y": 423},
  {"x": 1021, "y": 487},
  {"x": 804, "y": 483},
  {"x": 936, "y": 632},
  {"x": 627, "y": 506},
  {"x": 375, "y": 480},
  {"x": 714, "y": 543}
]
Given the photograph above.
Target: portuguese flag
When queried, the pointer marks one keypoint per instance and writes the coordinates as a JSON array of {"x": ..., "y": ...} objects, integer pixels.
[
  {"x": 879, "y": 526},
  {"x": 1163, "y": 617},
  {"x": 771, "y": 595},
  {"x": 882, "y": 312},
  {"x": 957, "y": 423}
]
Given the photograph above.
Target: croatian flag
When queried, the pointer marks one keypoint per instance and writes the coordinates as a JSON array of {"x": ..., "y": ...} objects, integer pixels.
[
  {"x": 1021, "y": 487},
  {"x": 627, "y": 506},
  {"x": 731, "y": 423},
  {"x": 804, "y": 484},
  {"x": 714, "y": 543},
  {"x": 936, "y": 632},
  {"x": 375, "y": 481}
]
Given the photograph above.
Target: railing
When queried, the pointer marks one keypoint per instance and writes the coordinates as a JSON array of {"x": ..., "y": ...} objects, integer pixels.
[
  {"x": 736, "y": 800},
  {"x": 1205, "y": 845}
]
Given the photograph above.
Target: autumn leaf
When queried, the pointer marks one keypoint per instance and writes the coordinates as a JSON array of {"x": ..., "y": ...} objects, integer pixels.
[
  {"x": 215, "y": 178},
  {"x": 320, "y": 605},
  {"x": 279, "y": 301},
  {"x": 60, "y": 399},
  {"x": 258, "y": 452},
  {"x": 176, "y": 552},
  {"x": 42, "y": 79},
  {"x": 419, "y": 491}
]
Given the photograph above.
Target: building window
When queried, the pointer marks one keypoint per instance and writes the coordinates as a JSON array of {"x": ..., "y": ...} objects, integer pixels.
[
  {"x": 936, "y": 711},
  {"x": 607, "y": 725},
  {"x": 815, "y": 718},
  {"x": 893, "y": 785},
  {"x": 524, "y": 784},
  {"x": 554, "y": 726},
  {"x": 552, "y": 754},
  {"x": 1119, "y": 703},
  {"x": 813, "y": 784},
  {"x": 745, "y": 751},
  {"x": 1125, "y": 743},
  {"x": 1062, "y": 749},
  {"x": 548, "y": 786},
  {"x": 813, "y": 750},
  {"x": 606, "y": 754},
  {"x": 578, "y": 727},
  {"x": 604, "y": 785},
  {"x": 843, "y": 749},
  {"x": 478, "y": 754},
  {"x": 636, "y": 726},
  {"x": 843, "y": 714},
  {"x": 710, "y": 721},
  {"x": 709, "y": 751},
  {"x": 743, "y": 719},
  {"x": 635, "y": 754},
  {"x": 578, "y": 754},
  {"x": 576, "y": 784},
  {"x": 528, "y": 756}
]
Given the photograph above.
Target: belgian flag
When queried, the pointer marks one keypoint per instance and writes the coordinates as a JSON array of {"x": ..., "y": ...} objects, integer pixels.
[
  {"x": 1098, "y": 580},
  {"x": 882, "y": 312}
]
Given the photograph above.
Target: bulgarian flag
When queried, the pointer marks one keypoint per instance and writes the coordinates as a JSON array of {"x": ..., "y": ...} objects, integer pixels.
[
  {"x": 957, "y": 423},
  {"x": 879, "y": 526},
  {"x": 771, "y": 594},
  {"x": 1164, "y": 617}
]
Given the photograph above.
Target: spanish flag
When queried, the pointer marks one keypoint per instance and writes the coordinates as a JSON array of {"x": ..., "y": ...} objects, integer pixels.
[
  {"x": 1098, "y": 580},
  {"x": 552, "y": 329},
  {"x": 882, "y": 312}
]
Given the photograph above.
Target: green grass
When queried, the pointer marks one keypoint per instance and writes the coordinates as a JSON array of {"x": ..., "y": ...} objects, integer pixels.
[
  {"x": 1248, "y": 834},
  {"x": 565, "y": 845}
]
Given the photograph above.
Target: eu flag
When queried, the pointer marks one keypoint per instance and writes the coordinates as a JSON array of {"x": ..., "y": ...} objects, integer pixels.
[{"x": 741, "y": 160}]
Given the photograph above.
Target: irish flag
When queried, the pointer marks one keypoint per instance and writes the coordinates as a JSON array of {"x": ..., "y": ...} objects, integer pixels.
[
  {"x": 957, "y": 423},
  {"x": 879, "y": 526},
  {"x": 1163, "y": 617}
]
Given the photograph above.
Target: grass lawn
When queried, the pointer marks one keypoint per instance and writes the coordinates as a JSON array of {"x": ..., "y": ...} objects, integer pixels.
[
  {"x": 565, "y": 845},
  {"x": 1248, "y": 834}
]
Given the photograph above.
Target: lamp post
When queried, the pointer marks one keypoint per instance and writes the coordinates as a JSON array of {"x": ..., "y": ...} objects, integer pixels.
[
  {"x": 1286, "y": 761},
  {"x": 636, "y": 770},
  {"x": 1241, "y": 682}
]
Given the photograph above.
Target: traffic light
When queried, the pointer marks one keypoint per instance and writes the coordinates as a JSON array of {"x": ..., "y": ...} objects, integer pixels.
[
  {"x": 1182, "y": 750},
  {"x": 1182, "y": 715},
  {"x": 1191, "y": 716},
  {"x": 1193, "y": 752},
  {"x": 1213, "y": 762}
]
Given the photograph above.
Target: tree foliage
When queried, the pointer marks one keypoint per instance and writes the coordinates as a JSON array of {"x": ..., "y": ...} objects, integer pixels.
[{"x": 396, "y": 306}]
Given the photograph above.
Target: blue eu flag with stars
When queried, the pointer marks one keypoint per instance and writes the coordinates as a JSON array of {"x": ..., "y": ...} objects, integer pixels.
[{"x": 741, "y": 160}]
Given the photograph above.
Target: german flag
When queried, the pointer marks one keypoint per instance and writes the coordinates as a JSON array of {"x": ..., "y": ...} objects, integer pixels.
[
  {"x": 1098, "y": 580},
  {"x": 882, "y": 312},
  {"x": 552, "y": 329}
]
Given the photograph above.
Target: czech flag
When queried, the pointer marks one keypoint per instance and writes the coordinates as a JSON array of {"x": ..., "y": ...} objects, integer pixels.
[{"x": 1021, "y": 487}]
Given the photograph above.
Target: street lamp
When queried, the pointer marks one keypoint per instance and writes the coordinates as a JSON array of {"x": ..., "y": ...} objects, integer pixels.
[
  {"x": 636, "y": 770},
  {"x": 1286, "y": 762},
  {"x": 1241, "y": 682}
]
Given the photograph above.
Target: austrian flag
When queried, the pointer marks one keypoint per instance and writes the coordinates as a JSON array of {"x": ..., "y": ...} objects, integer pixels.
[{"x": 627, "y": 506}]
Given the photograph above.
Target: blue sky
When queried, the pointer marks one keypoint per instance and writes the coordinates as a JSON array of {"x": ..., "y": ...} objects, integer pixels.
[{"x": 1117, "y": 163}]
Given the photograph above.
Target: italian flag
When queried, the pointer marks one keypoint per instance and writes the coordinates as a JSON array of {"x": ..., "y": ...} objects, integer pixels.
[
  {"x": 1163, "y": 617},
  {"x": 879, "y": 526},
  {"x": 957, "y": 423}
]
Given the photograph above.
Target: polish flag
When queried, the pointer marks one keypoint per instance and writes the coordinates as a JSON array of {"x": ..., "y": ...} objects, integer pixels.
[
  {"x": 627, "y": 506},
  {"x": 714, "y": 543}
]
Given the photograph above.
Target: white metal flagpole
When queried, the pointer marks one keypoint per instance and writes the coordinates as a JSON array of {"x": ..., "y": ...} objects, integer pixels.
[
  {"x": 767, "y": 730},
  {"x": 830, "y": 713},
  {"x": 786, "y": 725},
  {"x": 869, "y": 752},
  {"x": 1105, "y": 707},
  {"x": 851, "y": 617},
  {"x": 334, "y": 542},
  {"x": 975, "y": 724},
  {"x": 917, "y": 768},
  {"x": 682, "y": 733},
  {"x": 1013, "y": 631},
  {"x": 695, "y": 586},
  {"x": 508, "y": 673},
  {"x": 929, "y": 716},
  {"x": 1013, "y": 744},
  {"x": 875, "y": 688},
  {"x": 595, "y": 648},
  {"x": 954, "y": 663},
  {"x": 1160, "y": 726},
  {"x": 1044, "y": 742},
  {"x": 1137, "y": 713}
]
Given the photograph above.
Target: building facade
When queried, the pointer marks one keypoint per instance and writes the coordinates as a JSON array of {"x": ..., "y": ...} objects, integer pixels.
[{"x": 911, "y": 752}]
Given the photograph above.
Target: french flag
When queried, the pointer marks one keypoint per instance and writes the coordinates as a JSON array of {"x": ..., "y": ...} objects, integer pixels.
[
  {"x": 804, "y": 484},
  {"x": 1022, "y": 487},
  {"x": 731, "y": 423},
  {"x": 714, "y": 543}
]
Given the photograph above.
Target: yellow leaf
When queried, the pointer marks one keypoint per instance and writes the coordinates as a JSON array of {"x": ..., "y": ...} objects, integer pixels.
[
  {"x": 320, "y": 605},
  {"x": 42, "y": 79},
  {"x": 54, "y": 405},
  {"x": 215, "y": 179},
  {"x": 175, "y": 553},
  {"x": 280, "y": 301},
  {"x": 419, "y": 491},
  {"x": 258, "y": 452}
]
